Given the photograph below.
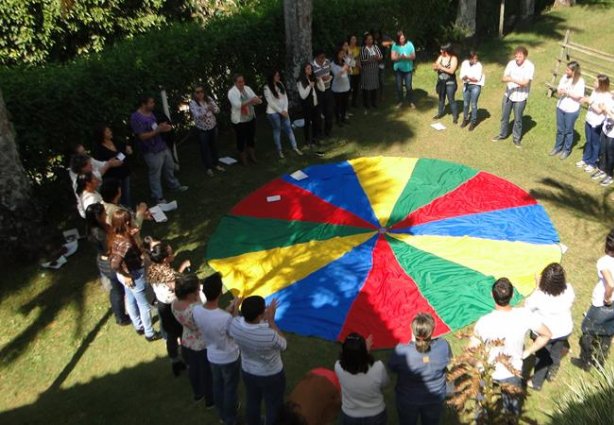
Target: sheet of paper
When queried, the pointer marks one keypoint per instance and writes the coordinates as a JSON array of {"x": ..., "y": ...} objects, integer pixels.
[
  {"x": 228, "y": 160},
  {"x": 121, "y": 156},
  {"x": 157, "y": 214},
  {"x": 438, "y": 126},
  {"x": 273, "y": 198},
  {"x": 299, "y": 175},
  {"x": 564, "y": 248},
  {"x": 169, "y": 206}
]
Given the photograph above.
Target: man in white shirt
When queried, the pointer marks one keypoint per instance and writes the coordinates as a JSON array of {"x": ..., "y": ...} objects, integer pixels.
[
  {"x": 517, "y": 77},
  {"x": 510, "y": 325},
  {"x": 261, "y": 343},
  {"x": 222, "y": 351}
]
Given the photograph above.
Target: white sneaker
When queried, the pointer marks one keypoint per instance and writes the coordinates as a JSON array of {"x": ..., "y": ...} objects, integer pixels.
[
  {"x": 298, "y": 151},
  {"x": 281, "y": 155},
  {"x": 589, "y": 169},
  {"x": 598, "y": 175},
  {"x": 607, "y": 181},
  {"x": 580, "y": 164}
]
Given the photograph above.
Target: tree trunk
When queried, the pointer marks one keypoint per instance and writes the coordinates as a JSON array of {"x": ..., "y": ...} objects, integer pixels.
[
  {"x": 528, "y": 9},
  {"x": 19, "y": 216},
  {"x": 465, "y": 16},
  {"x": 297, "y": 19}
]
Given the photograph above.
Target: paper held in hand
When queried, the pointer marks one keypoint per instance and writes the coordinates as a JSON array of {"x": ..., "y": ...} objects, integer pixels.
[
  {"x": 157, "y": 214},
  {"x": 227, "y": 160}
]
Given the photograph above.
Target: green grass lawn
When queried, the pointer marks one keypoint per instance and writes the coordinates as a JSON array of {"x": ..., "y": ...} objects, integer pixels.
[{"x": 64, "y": 361}]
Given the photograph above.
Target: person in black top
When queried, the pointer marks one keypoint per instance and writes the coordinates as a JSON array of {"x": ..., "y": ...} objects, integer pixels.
[
  {"x": 105, "y": 148},
  {"x": 445, "y": 66},
  {"x": 307, "y": 86}
]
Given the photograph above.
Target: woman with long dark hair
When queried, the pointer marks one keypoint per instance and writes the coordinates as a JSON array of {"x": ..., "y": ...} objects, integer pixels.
[
  {"x": 445, "y": 67},
  {"x": 594, "y": 121},
  {"x": 341, "y": 84},
  {"x": 243, "y": 117},
  {"x": 472, "y": 76},
  {"x": 203, "y": 109},
  {"x": 277, "y": 112},
  {"x": 552, "y": 302},
  {"x": 162, "y": 277},
  {"x": 421, "y": 367},
  {"x": 571, "y": 93},
  {"x": 370, "y": 58},
  {"x": 307, "y": 83},
  {"x": 403, "y": 55},
  {"x": 354, "y": 52},
  {"x": 106, "y": 149},
  {"x": 96, "y": 230},
  {"x": 362, "y": 382},
  {"x": 127, "y": 261}
]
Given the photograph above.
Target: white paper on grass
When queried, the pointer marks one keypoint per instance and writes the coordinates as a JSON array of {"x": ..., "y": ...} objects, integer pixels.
[
  {"x": 564, "y": 248},
  {"x": 169, "y": 206},
  {"x": 273, "y": 198},
  {"x": 438, "y": 126},
  {"x": 299, "y": 175},
  {"x": 227, "y": 160},
  {"x": 157, "y": 214}
]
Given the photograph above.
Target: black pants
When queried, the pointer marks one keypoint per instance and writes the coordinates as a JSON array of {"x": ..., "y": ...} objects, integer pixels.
[
  {"x": 313, "y": 123},
  {"x": 369, "y": 98},
  {"x": 548, "y": 359},
  {"x": 117, "y": 292},
  {"x": 355, "y": 86},
  {"x": 606, "y": 157},
  {"x": 171, "y": 329},
  {"x": 326, "y": 102},
  {"x": 208, "y": 150},
  {"x": 245, "y": 133},
  {"x": 341, "y": 105}
]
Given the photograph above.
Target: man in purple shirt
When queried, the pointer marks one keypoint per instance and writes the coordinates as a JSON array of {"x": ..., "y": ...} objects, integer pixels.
[{"x": 156, "y": 154}]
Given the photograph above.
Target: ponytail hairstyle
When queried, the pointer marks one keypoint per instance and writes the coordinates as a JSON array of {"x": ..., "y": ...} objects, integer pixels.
[
  {"x": 575, "y": 68},
  {"x": 422, "y": 328},
  {"x": 157, "y": 250},
  {"x": 609, "y": 244},
  {"x": 82, "y": 182},
  {"x": 603, "y": 83}
]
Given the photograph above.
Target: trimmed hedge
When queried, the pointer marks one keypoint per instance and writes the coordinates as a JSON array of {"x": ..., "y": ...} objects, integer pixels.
[{"x": 55, "y": 106}]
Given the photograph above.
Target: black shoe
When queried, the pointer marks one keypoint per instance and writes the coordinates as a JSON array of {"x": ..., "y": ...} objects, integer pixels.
[
  {"x": 436, "y": 117},
  {"x": 464, "y": 123},
  {"x": 517, "y": 143},
  {"x": 554, "y": 151},
  {"x": 472, "y": 127},
  {"x": 156, "y": 336},
  {"x": 497, "y": 138},
  {"x": 140, "y": 331},
  {"x": 552, "y": 372},
  {"x": 124, "y": 322},
  {"x": 178, "y": 367},
  {"x": 455, "y": 121},
  {"x": 209, "y": 404},
  {"x": 577, "y": 362},
  {"x": 564, "y": 155}
]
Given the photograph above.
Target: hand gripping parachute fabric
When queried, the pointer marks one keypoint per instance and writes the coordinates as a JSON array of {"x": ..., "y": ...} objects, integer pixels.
[{"x": 364, "y": 245}]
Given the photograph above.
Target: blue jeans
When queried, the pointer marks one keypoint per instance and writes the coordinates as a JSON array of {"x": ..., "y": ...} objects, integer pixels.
[
  {"x": 208, "y": 150},
  {"x": 564, "y": 129},
  {"x": 225, "y": 385},
  {"x": 449, "y": 91},
  {"x": 518, "y": 107},
  {"x": 136, "y": 302},
  {"x": 592, "y": 147},
  {"x": 379, "y": 419},
  {"x": 279, "y": 123},
  {"x": 510, "y": 403},
  {"x": 471, "y": 94},
  {"x": 400, "y": 78},
  {"x": 199, "y": 373},
  {"x": 160, "y": 165},
  {"x": 429, "y": 414},
  {"x": 271, "y": 389}
]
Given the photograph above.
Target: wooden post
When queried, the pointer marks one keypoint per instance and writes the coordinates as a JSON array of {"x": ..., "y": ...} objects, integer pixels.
[
  {"x": 501, "y": 18},
  {"x": 563, "y": 56}
]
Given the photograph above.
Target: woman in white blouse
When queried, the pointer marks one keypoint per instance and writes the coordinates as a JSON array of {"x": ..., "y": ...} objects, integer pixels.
[
  {"x": 570, "y": 92},
  {"x": 242, "y": 115},
  {"x": 307, "y": 85},
  {"x": 472, "y": 76},
  {"x": 341, "y": 83},
  {"x": 362, "y": 381},
  {"x": 594, "y": 120},
  {"x": 203, "y": 109},
  {"x": 552, "y": 302},
  {"x": 277, "y": 112}
]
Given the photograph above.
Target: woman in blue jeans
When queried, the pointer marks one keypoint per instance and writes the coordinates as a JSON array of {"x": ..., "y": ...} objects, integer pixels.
[
  {"x": 127, "y": 261},
  {"x": 445, "y": 66},
  {"x": 472, "y": 75},
  {"x": 421, "y": 367},
  {"x": 595, "y": 117},
  {"x": 277, "y": 112}
]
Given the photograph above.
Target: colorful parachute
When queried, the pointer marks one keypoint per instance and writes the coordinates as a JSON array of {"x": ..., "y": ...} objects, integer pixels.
[{"x": 363, "y": 245}]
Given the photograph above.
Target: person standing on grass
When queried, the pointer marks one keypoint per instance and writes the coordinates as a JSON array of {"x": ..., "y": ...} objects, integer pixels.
[
  {"x": 517, "y": 77},
  {"x": 106, "y": 149},
  {"x": 598, "y": 323},
  {"x": 403, "y": 55},
  {"x": 370, "y": 57},
  {"x": 341, "y": 84},
  {"x": 606, "y": 147},
  {"x": 261, "y": 343},
  {"x": 362, "y": 382},
  {"x": 472, "y": 76},
  {"x": 594, "y": 120},
  {"x": 552, "y": 301},
  {"x": 277, "y": 112},
  {"x": 322, "y": 71},
  {"x": 307, "y": 90},
  {"x": 421, "y": 366},
  {"x": 162, "y": 278},
  {"x": 126, "y": 256},
  {"x": 222, "y": 351},
  {"x": 511, "y": 326},
  {"x": 203, "y": 109},
  {"x": 193, "y": 345},
  {"x": 354, "y": 52},
  {"x": 445, "y": 66},
  {"x": 571, "y": 93},
  {"x": 157, "y": 155},
  {"x": 243, "y": 117}
]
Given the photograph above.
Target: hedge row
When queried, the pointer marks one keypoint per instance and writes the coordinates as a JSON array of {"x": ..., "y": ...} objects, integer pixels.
[{"x": 55, "y": 106}]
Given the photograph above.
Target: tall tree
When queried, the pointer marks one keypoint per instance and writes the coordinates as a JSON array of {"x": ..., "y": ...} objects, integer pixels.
[
  {"x": 297, "y": 20},
  {"x": 19, "y": 216},
  {"x": 466, "y": 15}
]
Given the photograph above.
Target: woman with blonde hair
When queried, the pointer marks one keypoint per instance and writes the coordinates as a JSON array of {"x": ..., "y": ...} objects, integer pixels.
[{"x": 421, "y": 367}]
